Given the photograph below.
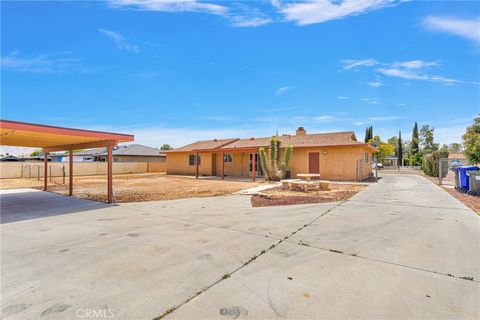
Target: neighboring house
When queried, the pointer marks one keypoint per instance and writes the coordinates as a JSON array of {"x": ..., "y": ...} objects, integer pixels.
[
  {"x": 11, "y": 158},
  {"x": 134, "y": 153},
  {"x": 390, "y": 161},
  {"x": 457, "y": 156},
  {"x": 39, "y": 157},
  {"x": 124, "y": 153},
  {"x": 336, "y": 156}
]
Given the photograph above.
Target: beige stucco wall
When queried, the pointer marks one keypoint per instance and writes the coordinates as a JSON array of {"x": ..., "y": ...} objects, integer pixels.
[
  {"x": 336, "y": 163},
  {"x": 57, "y": 169},
  {"x": 177, "y": 163}
]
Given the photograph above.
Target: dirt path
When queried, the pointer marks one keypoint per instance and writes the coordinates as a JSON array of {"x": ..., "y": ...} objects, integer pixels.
[{"x": 137, "y": 187}]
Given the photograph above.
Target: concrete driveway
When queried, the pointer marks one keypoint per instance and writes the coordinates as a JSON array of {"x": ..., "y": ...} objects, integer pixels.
[{"x": 400, "y": 249}]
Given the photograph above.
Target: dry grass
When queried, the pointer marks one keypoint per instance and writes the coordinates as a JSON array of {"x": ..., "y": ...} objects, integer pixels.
[
  {"x": 278, "y": 196},
  {"x": 137, "y": 187}
]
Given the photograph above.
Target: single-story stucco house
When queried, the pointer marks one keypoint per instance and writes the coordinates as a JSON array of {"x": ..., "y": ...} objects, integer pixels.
[
  {"x": 335, "y": 156},
  {"x": 122, "y": 153}
]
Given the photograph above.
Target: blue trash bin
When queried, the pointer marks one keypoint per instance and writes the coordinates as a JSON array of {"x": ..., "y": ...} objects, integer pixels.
[{"x": 463, "y": 179}]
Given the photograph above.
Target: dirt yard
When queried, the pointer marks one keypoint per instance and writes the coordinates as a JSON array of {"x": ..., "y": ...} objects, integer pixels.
[
  {"x": 279, "y": 197},
  {"x": 137, "y": 187}
]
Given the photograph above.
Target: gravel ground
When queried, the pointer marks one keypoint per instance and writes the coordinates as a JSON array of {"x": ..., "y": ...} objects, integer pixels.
[
  {"x": 278, "y": 196},
  {"x": 137, "y": 187},
  {"x": 473, "y": 202}
]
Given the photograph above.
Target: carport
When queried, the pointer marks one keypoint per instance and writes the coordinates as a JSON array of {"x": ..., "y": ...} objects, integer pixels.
[{"x": 51, "y": 138}]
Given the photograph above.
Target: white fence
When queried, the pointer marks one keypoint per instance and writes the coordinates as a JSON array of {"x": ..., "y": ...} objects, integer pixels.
[{"x": 29, "y": 170}]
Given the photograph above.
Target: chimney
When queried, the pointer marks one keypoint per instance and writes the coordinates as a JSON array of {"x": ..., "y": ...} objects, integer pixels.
[{"x": 300, "y": 131}]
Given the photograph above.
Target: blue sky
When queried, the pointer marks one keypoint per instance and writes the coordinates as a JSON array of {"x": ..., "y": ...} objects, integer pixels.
[{"x": 178, "y": 71}]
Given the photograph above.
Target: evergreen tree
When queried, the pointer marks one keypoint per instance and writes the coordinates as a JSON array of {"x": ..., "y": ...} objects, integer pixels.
[
  {"x": 426, "y": 138},
  {"x": 368, "y": 134},
  {"x": 414, "y": 144},
  {"x": 400, "y": 149}
]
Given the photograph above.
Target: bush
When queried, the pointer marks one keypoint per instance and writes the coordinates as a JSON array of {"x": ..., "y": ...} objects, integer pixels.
[{"x": 430, "y": 163}]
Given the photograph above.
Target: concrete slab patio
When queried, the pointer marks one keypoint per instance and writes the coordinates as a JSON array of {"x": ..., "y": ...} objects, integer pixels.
[{"x": 396, "y": 250}]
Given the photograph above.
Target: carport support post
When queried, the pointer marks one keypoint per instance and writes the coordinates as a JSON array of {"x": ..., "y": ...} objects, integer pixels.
[
  {"x": 70, "y": 172},
  {"x": 109, "y": 174},
  {"x": 254, "y": 166},
  {"x": 45, "y": 170},
  {"x": 223, "y": 165},
  {"x": 196, "y": 165}
]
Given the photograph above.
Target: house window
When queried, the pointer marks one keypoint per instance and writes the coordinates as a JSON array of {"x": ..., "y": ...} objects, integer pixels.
[
  {"x": 228, "y": 158},
  {"x": 191, "y": 159},
  {"x": 366, "y": 156}
]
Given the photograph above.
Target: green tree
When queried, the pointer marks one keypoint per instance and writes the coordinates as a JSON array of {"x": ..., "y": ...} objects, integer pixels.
[
  {"x": 273, "y": 166},
  {"x": 430, "y": 163},
  {"x": 426, "y": 138},
  {"x": 415, "y": 140},
  {"x": 400, "y": 149},
  {"x": 166, "y": 147},
  {"x": 384, "y": 149},
  {"x": 35, "y": 153},
  {"x": 394, "y": 142},
  {"x": 471, "y": 141},
  {"x": 368, "y": 134},
  {"x": 455, "y": 147}
]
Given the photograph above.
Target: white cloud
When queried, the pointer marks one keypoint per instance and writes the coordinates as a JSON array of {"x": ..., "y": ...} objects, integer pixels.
[
  {"x": 323, "y": 118},
  {"x": 276, "y": 3},
  {"x": 360, "y": 123},
  {"x": 319, "y": 11},
  {"x": 351, "y": 63},
  {"x": 170, "y": 6},
  {"x": 119, "y": 40},
  {"x": 248, "y": 21},
  {"x": 375, "y": 84},
  {"x": 410, "y": 70},
  {"x": 372, "y": 100},
  {"x": 402, "y": 73},
  {"x": 343, "y": 98},
  {"x": 414, "y": 64},
  {"x": 16, "y": 151},
  {"x": 415, "y": 75},
  {"x": 466, "y": 28},
  {"x": 43, "y": 63},
  {"x": 283, "y": 90}
]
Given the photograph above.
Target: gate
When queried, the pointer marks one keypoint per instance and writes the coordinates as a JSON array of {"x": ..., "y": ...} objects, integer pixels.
[{"x": 446, "y": 170}]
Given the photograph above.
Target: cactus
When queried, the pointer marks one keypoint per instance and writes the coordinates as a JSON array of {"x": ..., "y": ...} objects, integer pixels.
[{"x": 271, "y": 164}]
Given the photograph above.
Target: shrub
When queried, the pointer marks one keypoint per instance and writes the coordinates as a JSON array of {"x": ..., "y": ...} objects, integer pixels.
[{"x": 430, "y": 163}]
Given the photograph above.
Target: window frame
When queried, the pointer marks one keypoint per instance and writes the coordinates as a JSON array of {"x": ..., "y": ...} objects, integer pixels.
[
  {"x": 194, "y": 162},
  {"x": 228, "y": 156}
]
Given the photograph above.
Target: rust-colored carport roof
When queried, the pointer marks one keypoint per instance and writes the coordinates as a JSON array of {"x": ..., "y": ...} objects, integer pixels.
[{"x": 51, "y": 138}]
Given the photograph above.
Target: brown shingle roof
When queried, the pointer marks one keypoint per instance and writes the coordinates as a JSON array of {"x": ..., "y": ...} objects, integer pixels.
[
  {"x": 202, "y": 145},
  {"x": 297, "y": 141}
]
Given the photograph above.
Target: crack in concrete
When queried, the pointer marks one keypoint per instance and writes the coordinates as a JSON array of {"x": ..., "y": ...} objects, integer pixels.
[
  {"x": 407, "y": 205},
  {"x": 252, "y": 259},
  {"x": 356, "y": 255}
]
